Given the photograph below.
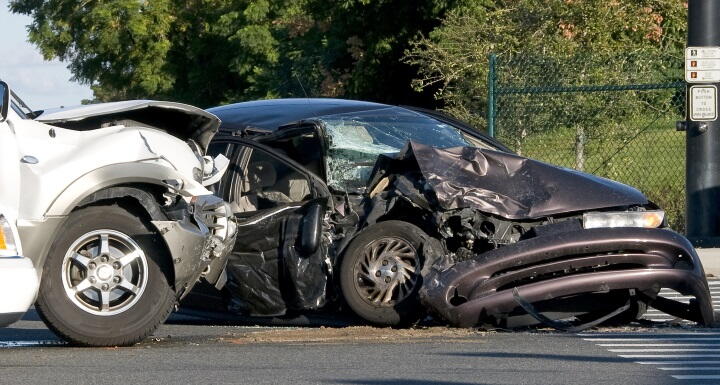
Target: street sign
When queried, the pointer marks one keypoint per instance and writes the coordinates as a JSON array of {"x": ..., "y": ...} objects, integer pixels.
[
  {"x": 702, "y": 64},
  {"x": 703, "y": 103}
]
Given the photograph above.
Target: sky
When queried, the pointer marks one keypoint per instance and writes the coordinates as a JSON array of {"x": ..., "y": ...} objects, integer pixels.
[{"x": 41, "y": 84}]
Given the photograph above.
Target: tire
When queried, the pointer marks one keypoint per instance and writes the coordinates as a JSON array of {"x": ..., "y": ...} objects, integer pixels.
[
  {"x": 367, "y": 276},
  {"x": 129, "y": 294}
]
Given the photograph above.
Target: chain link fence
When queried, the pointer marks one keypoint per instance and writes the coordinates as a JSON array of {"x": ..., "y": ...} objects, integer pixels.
[{"x": 609, "y": 115}]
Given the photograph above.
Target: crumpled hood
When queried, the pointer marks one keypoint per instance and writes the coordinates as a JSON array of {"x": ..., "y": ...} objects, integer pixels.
[
  {"x": 177, "y": 119},
  {"x": 509, "y": 185}
]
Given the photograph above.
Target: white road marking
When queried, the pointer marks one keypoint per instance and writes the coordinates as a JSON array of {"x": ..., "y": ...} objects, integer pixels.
[
  {"x": 714, "y": 362},
  {"x": 693, "y": 368},
  {"x": 696, "y": 377},
  {"x": 669, "y": 355},
  {"x": 663, "y": 350},
  {"x": 21, "y": 344},
  {"x": 635, "y": 334},
  {"x": 661, "y": 345},
  {"x": 651, "y": 339}
]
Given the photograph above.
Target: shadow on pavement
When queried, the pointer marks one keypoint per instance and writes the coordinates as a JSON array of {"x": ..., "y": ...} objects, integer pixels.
[
  {"x": 186, "y": 316},
  {"x": 403, "y": 381},
  {"x": 17, "y": 334}
]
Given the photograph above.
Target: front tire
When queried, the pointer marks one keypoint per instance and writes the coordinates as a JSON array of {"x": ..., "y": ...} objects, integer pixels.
[
  {"x": 380, "y": 273},
  {"x": 105, "y": 280}
]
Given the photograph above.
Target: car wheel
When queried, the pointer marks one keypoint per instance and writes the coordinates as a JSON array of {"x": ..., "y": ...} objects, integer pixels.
[
  {"x": 105, "y": 282},
  {"x": 380, "y": 273}
]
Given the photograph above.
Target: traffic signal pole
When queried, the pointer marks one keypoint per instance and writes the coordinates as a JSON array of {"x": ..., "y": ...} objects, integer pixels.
[{"x": 702, "y": 72}]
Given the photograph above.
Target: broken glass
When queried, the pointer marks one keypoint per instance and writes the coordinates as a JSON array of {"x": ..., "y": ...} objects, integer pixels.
[{"x": 356, "y": 139}]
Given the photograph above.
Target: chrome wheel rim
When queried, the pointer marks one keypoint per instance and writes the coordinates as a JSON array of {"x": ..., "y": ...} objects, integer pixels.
[
  {"x": 104, "y": 272},
  {"x": 387, "y": 272}
]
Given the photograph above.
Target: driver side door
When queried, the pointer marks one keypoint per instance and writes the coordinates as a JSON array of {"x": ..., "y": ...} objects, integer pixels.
[{"x": 278, "y": 261}]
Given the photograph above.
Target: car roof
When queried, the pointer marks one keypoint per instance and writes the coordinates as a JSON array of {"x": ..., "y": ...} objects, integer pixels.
[{"x": 271, "y": 114}]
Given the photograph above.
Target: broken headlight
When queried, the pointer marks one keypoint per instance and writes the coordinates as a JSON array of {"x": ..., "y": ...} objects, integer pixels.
[
  {"x": 646, "y": 219},
  {"x": 8, "y": 247}
]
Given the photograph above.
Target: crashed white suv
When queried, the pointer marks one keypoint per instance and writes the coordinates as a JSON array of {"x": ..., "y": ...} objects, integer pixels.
[{"x": 113, "y": 211}]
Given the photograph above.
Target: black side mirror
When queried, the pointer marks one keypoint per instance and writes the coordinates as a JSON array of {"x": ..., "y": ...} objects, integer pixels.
[
  {"x": 5, "y": 101},
  {"x": 311, "y": 228}
]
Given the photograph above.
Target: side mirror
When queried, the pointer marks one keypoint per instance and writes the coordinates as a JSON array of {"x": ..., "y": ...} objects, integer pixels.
[
  {"x": 311, "y": 228},
  {"x": 5, "y": 103}
]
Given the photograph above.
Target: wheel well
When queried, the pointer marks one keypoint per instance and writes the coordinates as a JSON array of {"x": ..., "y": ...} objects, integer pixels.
[
  {"x": 411, "y": 214},
  {"x": 142, "y": 200}
]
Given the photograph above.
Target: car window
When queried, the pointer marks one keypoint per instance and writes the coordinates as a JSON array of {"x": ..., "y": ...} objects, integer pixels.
[
  {"x": 229, "y": 150},
  {"x": 356, "y": 139},
  {"x": 263, "y": 181}
]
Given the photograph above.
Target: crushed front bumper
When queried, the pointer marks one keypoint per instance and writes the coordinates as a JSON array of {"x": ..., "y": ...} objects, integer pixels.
[
  {"x": 200, "y": 243},
  {"x": 569, "y": 265}
]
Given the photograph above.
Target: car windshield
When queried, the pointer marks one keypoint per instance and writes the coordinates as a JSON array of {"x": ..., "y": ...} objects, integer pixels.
[{"x": 356, "y": 139}]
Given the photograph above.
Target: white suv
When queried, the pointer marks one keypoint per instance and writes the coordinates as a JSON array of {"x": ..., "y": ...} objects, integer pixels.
[{"x": 113, "y": 211}]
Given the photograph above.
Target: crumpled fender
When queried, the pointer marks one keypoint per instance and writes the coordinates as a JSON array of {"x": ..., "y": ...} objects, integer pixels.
[{"x": 199, "y": 246}]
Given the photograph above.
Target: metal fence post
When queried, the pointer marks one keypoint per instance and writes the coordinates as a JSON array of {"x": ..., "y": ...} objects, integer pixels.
[{"x": 491, "y": 95}]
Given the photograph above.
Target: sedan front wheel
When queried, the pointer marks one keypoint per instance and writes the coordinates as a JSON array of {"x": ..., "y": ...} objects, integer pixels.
[{"x": 380, "y": 273}]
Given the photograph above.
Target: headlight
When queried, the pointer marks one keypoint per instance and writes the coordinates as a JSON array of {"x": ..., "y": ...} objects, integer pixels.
[
  {"x": 646, "y": 219},
  {"x": 8, "y": 248}
]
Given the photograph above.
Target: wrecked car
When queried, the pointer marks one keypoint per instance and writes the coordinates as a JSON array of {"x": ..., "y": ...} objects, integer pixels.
[
  {"x": 112, "y": 209},
  {"x": 398, "y": 211}
]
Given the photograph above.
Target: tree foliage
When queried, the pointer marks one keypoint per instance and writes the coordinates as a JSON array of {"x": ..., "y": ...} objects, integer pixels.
[
  {"x": 453, "y": 57},
  {"x": 208, "y": 52}
]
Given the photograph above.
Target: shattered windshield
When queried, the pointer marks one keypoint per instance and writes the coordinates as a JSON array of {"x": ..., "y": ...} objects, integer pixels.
[{"x": 356, "y": 139}]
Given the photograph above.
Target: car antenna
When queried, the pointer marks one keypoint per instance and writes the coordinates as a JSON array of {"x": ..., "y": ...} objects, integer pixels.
[{"x": 301, "y": 85}]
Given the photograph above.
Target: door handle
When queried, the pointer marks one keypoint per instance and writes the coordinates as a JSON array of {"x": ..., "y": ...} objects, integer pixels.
[{"x": 29, "y": 159}]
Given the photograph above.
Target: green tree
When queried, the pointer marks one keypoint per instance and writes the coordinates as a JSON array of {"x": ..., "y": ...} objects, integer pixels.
[
  {"x": 452, "y": 59},
  {"x": 208, "y": 52}
]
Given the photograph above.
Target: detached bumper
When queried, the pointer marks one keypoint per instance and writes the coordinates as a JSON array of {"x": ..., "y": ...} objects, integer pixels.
[
  {"x": 548, "y": 268},
  {"x": 19, "y": 286},
  {"x": 200, "y": 243}
]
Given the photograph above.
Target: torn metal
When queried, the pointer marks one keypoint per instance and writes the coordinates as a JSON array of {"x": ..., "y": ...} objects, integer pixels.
[
  {"x": 506, "y": 185},
  {"x": 199, "y": 240},
  {"x": 180, "y": 120},
  {"x": 546, "y": 269}
]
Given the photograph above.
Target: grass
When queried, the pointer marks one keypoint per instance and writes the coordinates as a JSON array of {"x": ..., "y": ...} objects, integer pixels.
[{"x": 644, "y": 152}]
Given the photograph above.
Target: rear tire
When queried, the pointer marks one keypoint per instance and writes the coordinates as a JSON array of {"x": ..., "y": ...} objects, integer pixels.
[
  {"x": 380, "y": 273},
  {"x": 105, "y": 280}
]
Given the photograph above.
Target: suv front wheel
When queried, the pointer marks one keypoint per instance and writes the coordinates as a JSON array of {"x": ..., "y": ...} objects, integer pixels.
[{"x": 105, "y": 281}]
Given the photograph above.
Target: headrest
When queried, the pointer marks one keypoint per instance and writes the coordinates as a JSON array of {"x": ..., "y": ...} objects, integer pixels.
[{"x": 261, "y": 174}]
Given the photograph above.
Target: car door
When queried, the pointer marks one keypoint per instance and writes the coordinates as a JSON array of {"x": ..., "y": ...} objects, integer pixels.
[{"x": 279, "y": 259}]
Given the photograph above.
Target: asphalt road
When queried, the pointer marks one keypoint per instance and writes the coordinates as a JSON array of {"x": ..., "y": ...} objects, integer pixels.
[{"x": 186, "y": 351}]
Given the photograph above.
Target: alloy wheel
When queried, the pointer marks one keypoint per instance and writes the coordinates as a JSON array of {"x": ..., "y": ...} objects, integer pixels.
[{"x": 104, "y": 272}]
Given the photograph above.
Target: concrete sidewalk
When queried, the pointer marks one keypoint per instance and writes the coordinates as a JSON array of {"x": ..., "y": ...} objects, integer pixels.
[{"x": 710, "y": 259}]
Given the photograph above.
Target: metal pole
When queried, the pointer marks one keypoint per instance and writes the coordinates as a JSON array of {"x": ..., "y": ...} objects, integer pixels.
[
  {"x": 703, "y": 140},
  {"x": 491, "y": 95}
]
